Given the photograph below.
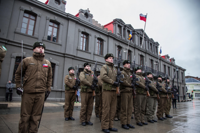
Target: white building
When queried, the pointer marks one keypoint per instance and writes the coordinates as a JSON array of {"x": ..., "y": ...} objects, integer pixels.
[{"x": 193, "y": 86}]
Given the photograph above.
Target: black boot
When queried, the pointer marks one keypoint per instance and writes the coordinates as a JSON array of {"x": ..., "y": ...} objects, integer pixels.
[
  {"x": 139, "y": 124},
  {"x": 83, "y": 124},
  {"x": 113, "y": 129},
  {"x": 106, "y": 130},
  {"x": 169, "y": 116},
  {"x": 71, "y": 118},
  {"x": 125, "y": 127},
  {"x": 130, "y": 126},
  {"x": 89, "y": 123},
  {"x": 151, "y": 121}
]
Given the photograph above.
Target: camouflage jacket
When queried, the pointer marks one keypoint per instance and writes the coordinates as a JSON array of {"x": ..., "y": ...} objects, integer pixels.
[
  {"x": 163, "y": 92},
  {"x": 152, "y": 88},
  {"x": 140, "y": 85},
  {"x": 86, "y": 78},
  {"x": 127, "y": 77},
  {"x": 70, "y": 81}
]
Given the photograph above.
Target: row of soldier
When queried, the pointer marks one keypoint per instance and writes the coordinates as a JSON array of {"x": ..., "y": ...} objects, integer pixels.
[{"x": 37, "y": 78}]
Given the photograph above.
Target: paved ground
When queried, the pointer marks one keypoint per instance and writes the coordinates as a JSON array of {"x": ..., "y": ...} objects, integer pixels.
[{"x": 186, "y": 119}]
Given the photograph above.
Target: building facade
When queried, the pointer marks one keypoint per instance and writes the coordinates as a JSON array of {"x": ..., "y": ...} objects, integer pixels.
[
  {"x": 193, "y": 86},
  {"x": 72, "y": 40}
]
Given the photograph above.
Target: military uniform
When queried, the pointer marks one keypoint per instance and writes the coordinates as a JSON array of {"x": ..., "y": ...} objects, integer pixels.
[
  {"x": 37, "y": 73},
  {"x": 161, "y": 101},
  {"x": 126, "y": 97},
  {"x": 151, "y": 101},
  {"x": 100, "y": 97},
  {"x": 140, "y": 100},
  {"x": 168, "y": 103},
  {"x": 97, "y": 92},
  {"x": 86, "y": 78},
  {"x": 108, "y": 75},
  {"x": 2, "y": 55},
  {"x": 70, "y": 96}
]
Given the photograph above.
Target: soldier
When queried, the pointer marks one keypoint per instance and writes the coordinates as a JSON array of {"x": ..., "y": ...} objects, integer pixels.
[
  {"x": 3, "y": 51},
  {"x": 140, "y": 99},
  {"x": 152, "y": 100},
  {"x": 37, "y": 73},
  {"x": 108, "y": 75},
  {"x": 86, "y": 78},
  {"x": 126, "y": 89},
  {"x": 70, "y": 94},
  {"x": 162, "y": 100},
  {"x": 169, "y": 100},
  {"x": 118, "y": 108},
  {"x": 100, "y": 96},
  {"x": 97, "y": 92}
]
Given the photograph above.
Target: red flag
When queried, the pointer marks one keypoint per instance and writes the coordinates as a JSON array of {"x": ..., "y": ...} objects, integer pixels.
[
  {"x": 143, "y": 17},
  {"x": 47, "y": 2}
]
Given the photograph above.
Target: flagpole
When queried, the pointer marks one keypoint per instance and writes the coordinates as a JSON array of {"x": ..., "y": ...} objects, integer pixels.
[{"x": 144, "y": 31}]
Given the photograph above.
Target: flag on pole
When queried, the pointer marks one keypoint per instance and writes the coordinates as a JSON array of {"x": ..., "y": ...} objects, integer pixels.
[
  {"x": 47, "y": 2},
  {"x": 143, "y": 17},
  {"x": 160, "y": 52},
  {"x": 130, "y": 36}
]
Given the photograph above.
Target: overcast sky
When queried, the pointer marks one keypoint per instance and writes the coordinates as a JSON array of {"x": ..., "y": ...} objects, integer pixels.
[{"x": 174, "y": 24}]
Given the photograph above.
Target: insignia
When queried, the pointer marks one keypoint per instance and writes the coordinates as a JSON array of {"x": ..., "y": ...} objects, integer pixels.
[
  {"x": 41, "y": 44},
  {"x": 45, "y": 65},
  {"x": 131, "y": 76},
  {"x": 31, "y": 63}
]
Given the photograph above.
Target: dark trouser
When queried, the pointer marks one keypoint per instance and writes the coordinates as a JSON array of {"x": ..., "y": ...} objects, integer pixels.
[
  {"x": 31, "y": 108},
  {"x": 69, "y": 104},
  {"x": 161, "y": 106},
  {"x": 100, "y": 106},
  {"x": 118, "y": 107},
  {"x": 151, "y": 107},
  {"x": 174, "y": 103},
  {"x": 77, "y": 98},
  {"x": 97, "y": 104},
  {"x": 126, "y": 108},
  {"x": 86, "y": 106},
  {"x": 7, "y": 95},
  {"x": 109, "y": 101}
]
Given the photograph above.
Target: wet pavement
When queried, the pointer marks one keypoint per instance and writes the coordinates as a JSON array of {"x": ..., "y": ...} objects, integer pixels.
[{"x": 186, "y": 119}]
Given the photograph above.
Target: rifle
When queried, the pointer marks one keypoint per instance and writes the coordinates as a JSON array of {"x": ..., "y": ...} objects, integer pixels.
[
  {"x": 158, "y": 88},
  {"x": 166, "y": 86},
  {"x": 174, "y": 90},
  {"x": 134, "y": 79},
  {"x": 118, "y": 73},
  {"x": 77, "y": 80},
  {"x": 95, "y": 80},
  {"x": 147, "y": 82}
]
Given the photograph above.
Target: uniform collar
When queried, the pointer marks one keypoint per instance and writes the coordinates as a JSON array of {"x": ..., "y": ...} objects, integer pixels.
[
  {"x": 127, "y": 70},
  {"x": 71, "y": 74},
  {"x": 87, "y": 71},
  {"x": 38, "y": 56},
  {"x": 109, "y": 64}
]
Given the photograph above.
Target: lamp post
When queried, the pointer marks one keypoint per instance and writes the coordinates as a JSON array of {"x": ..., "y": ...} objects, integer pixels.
[{"x": 177, "y": 83}]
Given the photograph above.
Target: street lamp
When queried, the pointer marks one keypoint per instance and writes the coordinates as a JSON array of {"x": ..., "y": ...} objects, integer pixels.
[{"x": 177, "y": 82}]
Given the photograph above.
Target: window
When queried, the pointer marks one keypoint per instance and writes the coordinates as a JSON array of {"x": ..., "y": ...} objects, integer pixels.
[
  {"x": 119, "y": 30},
  {"x": 168, "y": 71},
  {"x": 140, "y": 41},
  {"x": 99, "y": 47},
  {"x": 53, "y": 31},
  {"x": 165, "y": 69},
  {"x": 151, "y": 46},
  {"x": 119, "y": 49},
  {"x": 84, "y": 41},
  {"x": 182, "y": 76},
  {"x": 151, "y": 64},
  {"x": 197, "y": 94},
  {"x": 53, "y": 71},
  {"x": 129, "y": 55},
  {"x": 157, "y": 66},
  {"x": 17, "y": 62},
  {"x": 142, "y": 60},
  {"x": 57, "y": 2},
  {"x": 124, "y": 31},
  {"x": 156, "y": 50},
  {"x": 28, "y": 23}
]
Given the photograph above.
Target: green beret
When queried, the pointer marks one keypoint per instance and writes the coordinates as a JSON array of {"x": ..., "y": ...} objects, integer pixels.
[
  {"x": 160, "y": 76},
  {"x": 70, "y": 68},
  {"x": 164, "y": 78},
  {"x": 37, "y": 44},
  {"x": 149, "y": 73},
  {"x": 137, "y": 68},
  {"x": 85, "y": 64},
  {"x": 126, "y": 62},
  {"x": 108, "y": 55}
]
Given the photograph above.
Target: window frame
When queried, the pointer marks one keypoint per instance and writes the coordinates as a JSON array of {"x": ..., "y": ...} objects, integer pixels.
[
  {"x": 85, "y": 36},
  {"x": 52, "y": 32},
  {"x": 99, "y": 42}
]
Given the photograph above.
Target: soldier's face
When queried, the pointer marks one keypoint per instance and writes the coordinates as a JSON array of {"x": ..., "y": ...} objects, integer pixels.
[
  {"x": 39, "y": 49},
  {"x": 71, "y": 71},
  {"x": 167, "y": 80},
  {"x": 109, "y": 59},
  {"x": 160, "y": 79},
  {"x": 139, "y": 71},
  {"x": 127, "y": 65},
  {"x": 150, "y": 76},
  {"x": 88, "y": 67}
]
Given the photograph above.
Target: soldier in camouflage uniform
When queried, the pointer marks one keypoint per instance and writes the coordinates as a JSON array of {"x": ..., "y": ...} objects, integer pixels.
[
  {"x": 169, "y": 100},
  {"x": 152, "y": 100},
  {"x": 108, "y": 75},
  {"x": 3, "y": 51},
  {"x": 126, "y": 89},
  {"x": 162, "y": 100},
  {"x": 100, "y": 96},
  {"x": 70, "y": 94},
  {"x": 86, "y": 78},
  {"x": 140, "y": 99}
]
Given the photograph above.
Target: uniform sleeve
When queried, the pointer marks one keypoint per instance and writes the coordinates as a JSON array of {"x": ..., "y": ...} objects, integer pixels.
[
  {"x": 152, "y": 87},
  {"x": 99, "y": 82},
  {"x": 140, "y": 84},
  {"x": 18, "y": 74},
  {"x": 84, "y": 80},
  {"x": 70, "y": 84},
  {"x": 125, "y": 81},
  {"x": 49, "y": 78},
  {"x": 104, "y": 76}
]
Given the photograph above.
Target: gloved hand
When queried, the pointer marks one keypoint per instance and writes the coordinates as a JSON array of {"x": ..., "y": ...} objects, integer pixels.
[
  {"x": 93, "y": 87},
  {"x": 19, "y": 91},
  {"x": 116, "y": 84},
  {"x": 146, "y": 87},
  {"x": 74, "y": 87},
  {"x": 46, "y": 95},
  {"x": 132, "y": 85}
]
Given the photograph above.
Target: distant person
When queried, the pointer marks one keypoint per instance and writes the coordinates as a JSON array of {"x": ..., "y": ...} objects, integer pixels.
[
  {"x": 174, "y": 100},
  {"x": 178, "y": 97},
  {"x": 192, "y": 97},
  {"x": 9, "y": 89},
  {"x": 78, "y": 94}
]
